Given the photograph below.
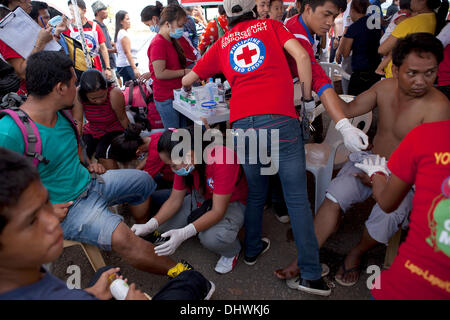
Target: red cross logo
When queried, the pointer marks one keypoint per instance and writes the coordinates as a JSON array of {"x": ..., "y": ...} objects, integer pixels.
[{"x": 247, "y": 55}]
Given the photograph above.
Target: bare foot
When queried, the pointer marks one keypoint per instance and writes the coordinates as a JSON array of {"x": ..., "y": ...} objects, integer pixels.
[
  {"x": 348, "y": 273},
  {"x": 291, "y": 271}
]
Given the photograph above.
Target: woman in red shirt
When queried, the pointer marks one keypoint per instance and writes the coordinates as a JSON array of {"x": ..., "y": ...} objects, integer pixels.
[
  {"x": 422, "y": 268},
  {"x": 103, "y": 107},
  {"x": 168, "y": 64},
  {"x": 218, "y": 189}
]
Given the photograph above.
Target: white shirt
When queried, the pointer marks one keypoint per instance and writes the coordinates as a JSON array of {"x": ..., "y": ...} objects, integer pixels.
[
  {"x": 122, "y": 60},
  {"x": 347, "y": 19},
  {"x": 444, "y": 35}
]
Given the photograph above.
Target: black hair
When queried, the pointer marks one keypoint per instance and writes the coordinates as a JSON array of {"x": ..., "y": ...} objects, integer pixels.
[
  {"x": 169, "y": 14},
  {"x": 405, "y": 4},
  {"x": 81, "y": 4},
  {"x": 166, "y": 145},
  {"x": 120, "y": 16},
  {"x": 36, "y": 6},
  {"x": 16, "y": 174},
  {"x": 123, "y": 147},
  {"x": 232, "y": 21},
  {"x": 91, "y": 80},
  {"x": 221, "y": 10},
  {"x": 45, "y": 69},
  {"x": 441, "y": 16},
  {"x": 340, "y": 4},
  {"x": 360, "y": 6},
  {"x": 149, "y": 12},
  {"x": 419, "y": 43},
  {"x": 291, "y": 12}
]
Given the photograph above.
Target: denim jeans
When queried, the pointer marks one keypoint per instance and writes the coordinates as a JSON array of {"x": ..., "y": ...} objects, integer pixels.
[
  {"x": 90, "y": 221},
  {"x": 292, "y": 172},
  {"x": 126, "y": 73},
  {"x": 170, "y": 117}
]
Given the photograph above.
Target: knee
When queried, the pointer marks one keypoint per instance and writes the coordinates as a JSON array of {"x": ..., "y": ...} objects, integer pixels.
[{"x": 215, "y": 240}]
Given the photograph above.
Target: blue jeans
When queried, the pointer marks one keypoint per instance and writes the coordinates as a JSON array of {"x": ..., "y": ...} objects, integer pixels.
[
  {"x": 126, "y": 73},
  {"x": 170, "y": 117},
  {"x": 90, "y": 221},
  {"x": 292, "y": 172}
]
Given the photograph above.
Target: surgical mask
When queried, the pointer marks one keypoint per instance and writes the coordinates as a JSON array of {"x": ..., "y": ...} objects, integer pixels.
[
  {"x": 177, "y": 34},
  {"x": 183, "y": 172},
  {"x": 154, "y": 28}
]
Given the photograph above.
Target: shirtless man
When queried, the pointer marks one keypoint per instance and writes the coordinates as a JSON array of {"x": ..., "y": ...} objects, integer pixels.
[{"x": 404, "y": 102}]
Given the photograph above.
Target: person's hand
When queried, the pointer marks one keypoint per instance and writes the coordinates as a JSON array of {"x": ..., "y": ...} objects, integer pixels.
[
  {"x": 185, "y": 92},
  {"x": 60, "y": 210},
  {"x": 62, "y": 27},
  {"x": 309, "y": 109},
  {"x": 370, "y": 166},
  {"x": 101, "y": 288},
  {"x": 354, "y": 139},
  {"x": 113, "y": 47},
  {"x": 335, "y": 43},
  {"x": 145, "y": 77},
  {"x": 44, "y": 37},
  {"x": 380, "y": 72},
  {"x": 365, "y": 179},
  {"x": 96, "y": 168},
  {"x": 108, "y": 74},
  {"x": 135, "y": 294},
  {"x": 177, "y": 237},
  {"x": 338, "y": 58},
  {"x": 144, "y": 229},
  {"x": 137, "y": 74}
]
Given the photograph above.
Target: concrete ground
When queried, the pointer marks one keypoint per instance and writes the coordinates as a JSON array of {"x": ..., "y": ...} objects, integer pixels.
[{"x": 249, "y": 282}]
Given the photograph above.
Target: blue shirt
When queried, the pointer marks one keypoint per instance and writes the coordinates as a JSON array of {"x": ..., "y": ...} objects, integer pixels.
[
  {"x": 365, "y": 55},
  {"x": 48, "y": 288}
]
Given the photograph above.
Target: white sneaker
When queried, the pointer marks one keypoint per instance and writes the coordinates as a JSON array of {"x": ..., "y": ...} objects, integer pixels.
[{"x": 225, "y": 265}]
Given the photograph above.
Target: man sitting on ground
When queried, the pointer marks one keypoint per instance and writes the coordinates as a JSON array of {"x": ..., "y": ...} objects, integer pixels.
[
  {"x": 81, "y": 199},
  {"x": 404, "y": 102}
]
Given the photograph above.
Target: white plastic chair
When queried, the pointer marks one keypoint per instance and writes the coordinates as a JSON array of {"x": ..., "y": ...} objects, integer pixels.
[
  {"x": 323, "y": 158},
  {"x": 332, "y": 69}
]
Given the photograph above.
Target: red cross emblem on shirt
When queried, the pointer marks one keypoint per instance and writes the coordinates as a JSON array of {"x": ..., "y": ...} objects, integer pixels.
[{"x": 247, "y": 55}]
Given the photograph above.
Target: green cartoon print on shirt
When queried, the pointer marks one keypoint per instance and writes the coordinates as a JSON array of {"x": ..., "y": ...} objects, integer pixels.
[{"x": 439, "y": 220}]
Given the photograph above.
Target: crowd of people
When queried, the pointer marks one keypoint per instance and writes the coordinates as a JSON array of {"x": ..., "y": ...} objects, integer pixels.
[{"x": 65, "y": 139}]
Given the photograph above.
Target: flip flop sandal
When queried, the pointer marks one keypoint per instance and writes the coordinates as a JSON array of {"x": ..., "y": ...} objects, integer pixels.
[{"x": 348, "y": 284}]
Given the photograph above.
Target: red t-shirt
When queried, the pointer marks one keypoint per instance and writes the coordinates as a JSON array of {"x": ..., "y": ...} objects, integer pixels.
[
  {"x": 422, "y": 268},
  {"x": 154, "y": 164},
  {"x": 188, "y": 50},
  {"x": 320, "y": 81},
  {"x": 222, "y": 174},
  {"x": 252, "y": 59},
  {"x": 162, "y": 49},
  {"x": 444, "y": 69},
  {"x": 8, "y": 53},
  {"x": 91, "y": 40}
]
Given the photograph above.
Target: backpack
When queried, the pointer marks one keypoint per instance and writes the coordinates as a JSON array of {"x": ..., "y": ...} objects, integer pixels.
[
  {"x": 140, "y": 106},
  {"x": 9, "y": 81},
  {"x": 10, "y": 105},
  {"x": 74, "y": 50}
]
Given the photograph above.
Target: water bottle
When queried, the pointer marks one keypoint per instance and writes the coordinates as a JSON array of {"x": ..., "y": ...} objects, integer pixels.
[
  {"x": 220, "y": 90},
  {"x": 213, "y": 92}
]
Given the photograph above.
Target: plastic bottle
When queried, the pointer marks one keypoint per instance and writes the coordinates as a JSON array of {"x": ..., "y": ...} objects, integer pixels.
[
  {"x": 220, "y": 90},
  {"x": 213, "y": 92},
  {"x": 118, "y": 287}
]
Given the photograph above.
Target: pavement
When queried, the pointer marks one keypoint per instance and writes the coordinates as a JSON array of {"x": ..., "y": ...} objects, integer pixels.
[{"x": 248, "y": 282}]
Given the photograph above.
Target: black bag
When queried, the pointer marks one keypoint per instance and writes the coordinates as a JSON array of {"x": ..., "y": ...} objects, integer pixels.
[
  {"x": 9, "y": 81},
  {"x": 197, "y": 213}
]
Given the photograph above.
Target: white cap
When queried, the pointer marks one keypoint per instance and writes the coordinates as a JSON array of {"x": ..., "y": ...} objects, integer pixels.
[{"x": 245, "y": 6}]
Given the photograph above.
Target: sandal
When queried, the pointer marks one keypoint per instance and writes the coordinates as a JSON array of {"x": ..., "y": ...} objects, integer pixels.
[{"x": 348, "y": 284}]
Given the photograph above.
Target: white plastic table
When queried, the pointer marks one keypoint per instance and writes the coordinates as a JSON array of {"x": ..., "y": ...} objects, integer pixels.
[{"x": 222, "y": 114}]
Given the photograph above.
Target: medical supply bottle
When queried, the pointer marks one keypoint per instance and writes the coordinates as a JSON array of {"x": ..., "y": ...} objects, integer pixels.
[{"x": 220, "y": 90}]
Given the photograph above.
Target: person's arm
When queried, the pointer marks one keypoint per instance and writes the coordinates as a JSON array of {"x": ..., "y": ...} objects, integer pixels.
[
  {"x": 188, "y": 80},
  {"x": 362, "y": 104},
  {"x": 389, "y": 194},
  {"x": 77, "y": 113},
  {"x": 386, "y": 47},
  {"x": 383, "y": 64},
  {"x": 105, "y": 56},
  {"x": 338, "y": 51},
  {"x": 346, "y": 46},
  {"x": 126, "y": 45},
  {"x": 161, "y": 73},
  {"x": 303, "y": 62},
  {"x": 217, "y": 212},
  {"x": 118, "y": 106}
]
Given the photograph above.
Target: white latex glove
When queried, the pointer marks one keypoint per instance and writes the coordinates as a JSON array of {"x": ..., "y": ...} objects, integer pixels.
[
  {"x": 309, "y": 108},
  {"x": 145, "y": 229},
  {"x": 371, "y": 166},
  {"x": 354, "y": 139},
  {"x": 177, "y": 237},
  {"x": 185, "y": 92}
]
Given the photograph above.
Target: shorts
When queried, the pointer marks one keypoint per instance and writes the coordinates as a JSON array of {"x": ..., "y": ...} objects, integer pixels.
[
  {"x": 90, "y": 221},
  {"x": 349, "y": 190},
  {"x": 99, "y": 146}
]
